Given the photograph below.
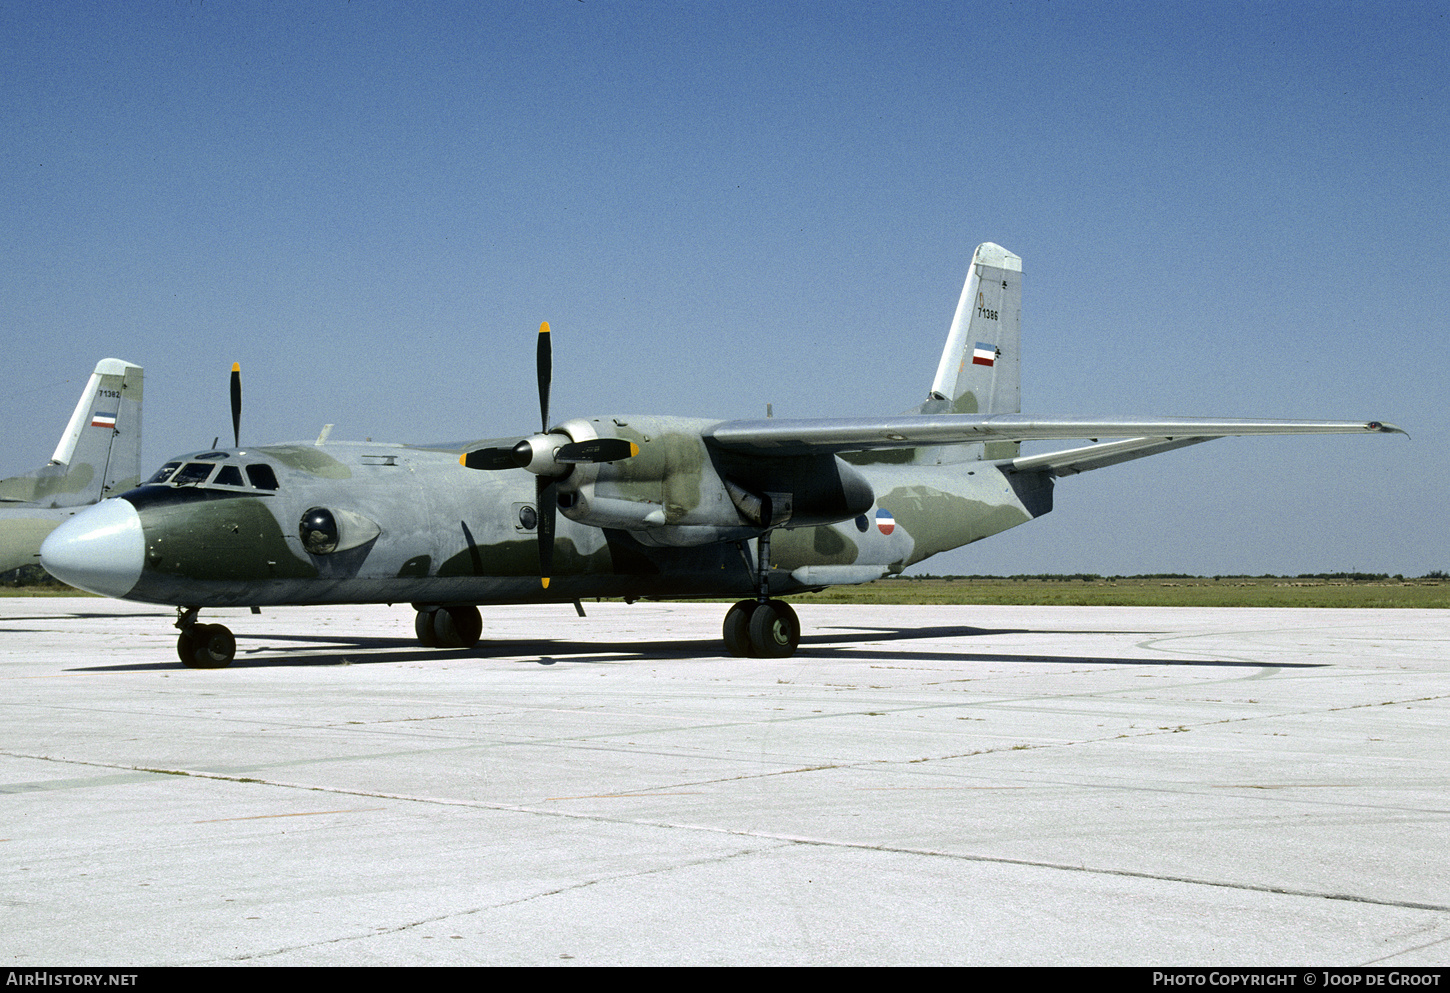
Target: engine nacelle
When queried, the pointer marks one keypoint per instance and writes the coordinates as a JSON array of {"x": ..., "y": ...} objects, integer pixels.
[{"x": 679, "y": 491}]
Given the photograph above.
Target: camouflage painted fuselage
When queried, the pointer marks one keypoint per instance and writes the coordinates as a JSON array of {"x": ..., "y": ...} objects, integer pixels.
[{"x": 413, "y": 525}]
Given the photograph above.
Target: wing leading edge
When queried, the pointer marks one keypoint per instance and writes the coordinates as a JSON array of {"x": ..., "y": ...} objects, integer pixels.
[{"x": 1144, "y": 436}]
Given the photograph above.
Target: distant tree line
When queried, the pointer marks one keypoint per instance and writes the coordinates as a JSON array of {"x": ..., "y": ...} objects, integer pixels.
[{"x": 29, "y": 575}]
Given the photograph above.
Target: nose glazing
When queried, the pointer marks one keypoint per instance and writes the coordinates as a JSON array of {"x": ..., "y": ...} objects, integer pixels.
[{"x": 100, "y": 550}]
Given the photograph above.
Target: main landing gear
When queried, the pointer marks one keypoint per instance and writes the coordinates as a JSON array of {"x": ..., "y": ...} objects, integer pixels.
[
  {"x": 762, "y": 628},
  {"x": 448, "y": 627},
  {"x": 203, "y": 646}
]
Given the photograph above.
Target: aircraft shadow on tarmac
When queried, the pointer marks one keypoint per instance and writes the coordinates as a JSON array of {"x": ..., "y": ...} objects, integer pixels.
[
  {"x": 82, "y": 616},
  {"x": 842, "y": 644}
]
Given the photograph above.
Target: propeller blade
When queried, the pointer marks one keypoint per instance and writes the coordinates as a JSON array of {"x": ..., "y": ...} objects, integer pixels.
[
  {"x": 549, "y": 462},
  {"x": 548, "y": 505},
  {"x": 545, "y": 361},
  {"x": 517, "y": 457},
  {"x": 236, "y": 405},
  {"x": 597, "y": 450},
  {"x": 571, "y": 453}
]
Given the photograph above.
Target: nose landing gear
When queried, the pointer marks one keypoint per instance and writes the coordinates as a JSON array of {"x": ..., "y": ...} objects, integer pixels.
[{"x": 203, "y": 646}]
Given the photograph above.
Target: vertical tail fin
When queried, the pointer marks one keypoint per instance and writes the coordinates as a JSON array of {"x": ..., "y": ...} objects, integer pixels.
[
  {"x": 980, "y": 368},
  {"x": 99, "y": 455}
]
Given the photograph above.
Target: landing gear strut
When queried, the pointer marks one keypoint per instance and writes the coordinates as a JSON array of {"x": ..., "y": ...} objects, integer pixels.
[
  {"x": 762, "y": 628},
  {"x": 203, "y": 646}
]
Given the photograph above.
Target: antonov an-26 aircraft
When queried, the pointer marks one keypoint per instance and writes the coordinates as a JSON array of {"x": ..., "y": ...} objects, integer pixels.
[{"x": 638, "y": 507}]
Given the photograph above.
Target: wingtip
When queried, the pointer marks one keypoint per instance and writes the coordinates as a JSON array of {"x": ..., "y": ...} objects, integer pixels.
[{"x": 1382, "y": 428}]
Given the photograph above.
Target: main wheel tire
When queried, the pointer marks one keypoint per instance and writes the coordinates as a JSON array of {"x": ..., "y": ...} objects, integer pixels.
[
  {"x": 737, "y": 629},
  {"x": 423, "y": 627},
  {"x": 457, "y": 627},
  {"x": 213, "y": 647},
  {"x": 775, "y": 631},
  {"x": 186, "y": 650}
]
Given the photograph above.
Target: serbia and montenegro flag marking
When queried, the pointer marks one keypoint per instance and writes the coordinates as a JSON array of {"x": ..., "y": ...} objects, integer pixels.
[{"x": 984, "y": 354}]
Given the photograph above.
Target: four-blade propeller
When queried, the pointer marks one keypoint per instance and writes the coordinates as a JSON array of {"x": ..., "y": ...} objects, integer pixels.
[{"x": 549, "y": 456}]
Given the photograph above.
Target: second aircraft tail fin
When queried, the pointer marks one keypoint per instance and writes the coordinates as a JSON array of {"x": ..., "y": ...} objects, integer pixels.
[{"x": 99, "y": 455}]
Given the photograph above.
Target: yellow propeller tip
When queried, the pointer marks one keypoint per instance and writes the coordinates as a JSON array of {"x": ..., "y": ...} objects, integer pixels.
[
  {"x": 633, "y": 449},
  {"x": 236, "y": 367},
  {"x": 545, "y": 581},
  {"x": 544, "y": 328}
]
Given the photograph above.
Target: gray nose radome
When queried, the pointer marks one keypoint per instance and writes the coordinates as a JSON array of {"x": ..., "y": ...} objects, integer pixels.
[{"x": 100, "y": 550}]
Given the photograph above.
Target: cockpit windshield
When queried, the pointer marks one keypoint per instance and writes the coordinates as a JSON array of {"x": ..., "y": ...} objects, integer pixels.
[
  {"x": 229, "y": 475},
  {"x": 164, "y": 473},
  {"x": 192, "y": 472},
  {"x": 259, "y": 475}
]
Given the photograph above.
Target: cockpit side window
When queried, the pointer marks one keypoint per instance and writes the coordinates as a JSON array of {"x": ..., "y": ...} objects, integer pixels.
[
  {"x": 229, "y": 475},
  {"x": 164, "y": 473},
  {"x": 192, "y": 472},
  {"x": 262, "y": 476}
]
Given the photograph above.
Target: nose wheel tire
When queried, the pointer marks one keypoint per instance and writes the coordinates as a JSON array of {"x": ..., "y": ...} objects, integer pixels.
[
  {"x": 206, "y": 646},
  {"x": 768, "y": 630}
]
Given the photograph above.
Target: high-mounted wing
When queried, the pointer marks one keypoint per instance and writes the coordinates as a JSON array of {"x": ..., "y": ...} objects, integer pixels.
[{"x": 802, "y": 437}]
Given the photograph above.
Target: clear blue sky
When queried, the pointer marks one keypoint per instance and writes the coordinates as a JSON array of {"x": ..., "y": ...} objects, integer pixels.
[{"x": 1223, "y": 209}]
